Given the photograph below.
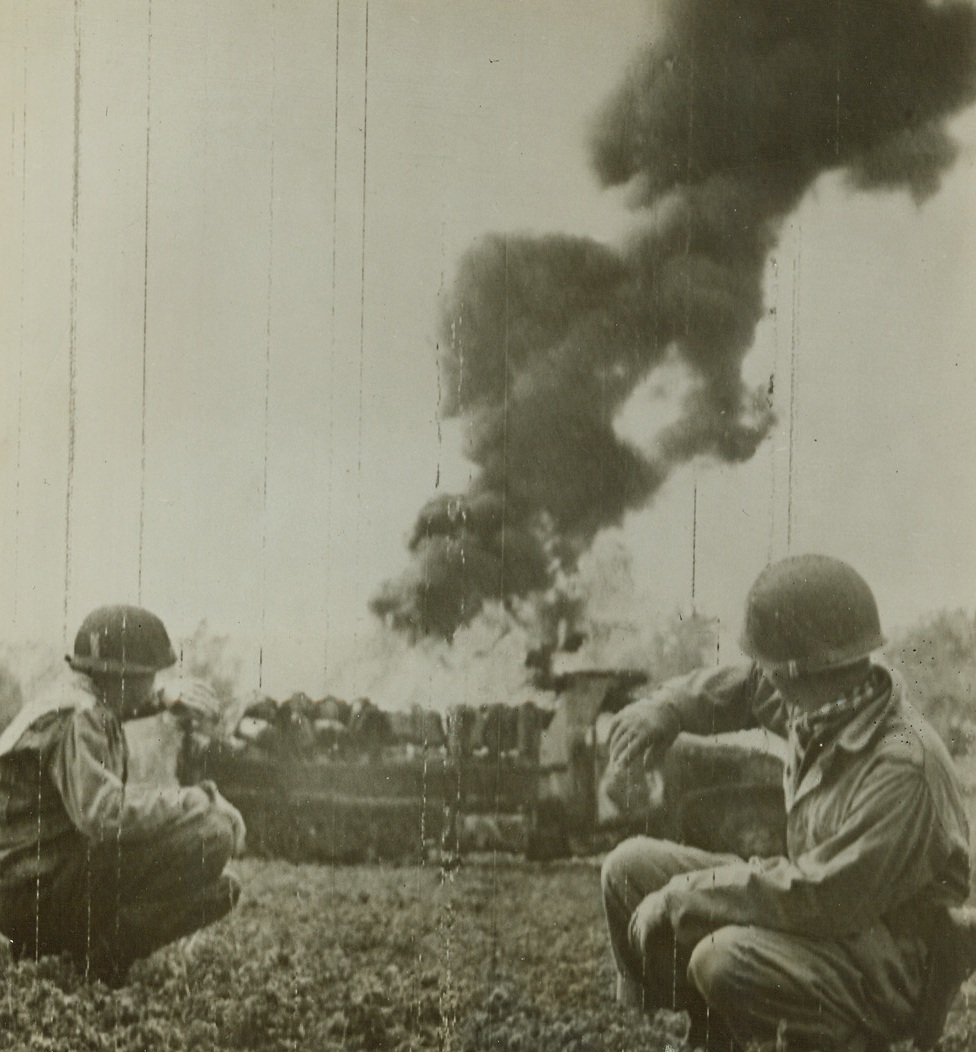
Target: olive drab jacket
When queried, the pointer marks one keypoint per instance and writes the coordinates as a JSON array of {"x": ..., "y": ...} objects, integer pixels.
[
  {"x": 875, "y": 822},
  {"x": 63, "y": 767}
]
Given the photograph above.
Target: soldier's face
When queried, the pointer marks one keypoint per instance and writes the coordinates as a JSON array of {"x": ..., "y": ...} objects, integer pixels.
[
  {"x": 811, "y": 690},
  {"x": 790, "y": 688},
  {"x": 129, "y": 695}
]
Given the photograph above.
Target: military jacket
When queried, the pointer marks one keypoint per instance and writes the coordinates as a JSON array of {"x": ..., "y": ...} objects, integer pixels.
[
  {"x": 63, "y": 767},
  {"x": 876, "y": 828}
]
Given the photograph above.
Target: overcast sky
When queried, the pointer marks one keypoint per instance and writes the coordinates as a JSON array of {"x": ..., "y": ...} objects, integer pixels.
[{"x": 218, "y": 380}]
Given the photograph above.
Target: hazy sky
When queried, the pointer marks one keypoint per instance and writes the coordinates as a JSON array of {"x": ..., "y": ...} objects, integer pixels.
[{"x": 218, "y": 377}]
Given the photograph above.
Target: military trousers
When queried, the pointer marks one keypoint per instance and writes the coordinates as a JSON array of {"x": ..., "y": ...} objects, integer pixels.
[
  {"x": 107, "y": 905},
  {"x": 749, "y": 984}
]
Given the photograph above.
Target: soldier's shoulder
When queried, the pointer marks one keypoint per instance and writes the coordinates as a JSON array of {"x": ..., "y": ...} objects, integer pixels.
[
  {"x": 75, "y": 698},
  {"x": 45, "y": 716},
  {"x": 902, "y": 741},
  {"x": 909, "y": 737}
]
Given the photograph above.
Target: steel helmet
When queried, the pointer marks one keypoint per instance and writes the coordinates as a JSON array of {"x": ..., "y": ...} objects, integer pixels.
[
  {"x": 122, "y": 639},
  {"x": 810, "y": 613}
]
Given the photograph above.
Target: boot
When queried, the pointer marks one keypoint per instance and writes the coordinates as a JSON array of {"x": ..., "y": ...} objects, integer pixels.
[
  {"x": 952, "y": 959},
  {"x": 708, "y": 1031},
  {"x": 148, "y": 926}
]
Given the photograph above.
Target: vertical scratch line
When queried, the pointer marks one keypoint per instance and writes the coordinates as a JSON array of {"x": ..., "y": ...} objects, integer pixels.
[
  {"x": 20, "y": 400},
  {"x": 687, "y": 319},
  {"x": 23, "y": 324},
  {"x": 837, "y": 117},
  {"x": 267, "y": 360},
  {"x": 501, "y": 593},
  {"x": 502, "y": 532},
  {"x": 362, "y": 265},
  {"x": 362, "y": 286},
  {"x": 72, "y": 317},
  {"x": 72, "y": 396},
  {"x": 142, "y": 434},
  {"x": 332, "y": 357},
  {"x": 838, "y": 85},
  {"x": 771, "y": 399},
  {"x": 145, "y": 302},
  {"x": 793, "y": 383},
  {"x": 332, "y": 349},
  {"x": 694, "y": 540}
]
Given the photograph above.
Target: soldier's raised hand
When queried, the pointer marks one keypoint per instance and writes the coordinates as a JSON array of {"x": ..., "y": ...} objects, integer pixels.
[
  {"x": 644, "y": 728},
  {"x": 193, "y": 697}
]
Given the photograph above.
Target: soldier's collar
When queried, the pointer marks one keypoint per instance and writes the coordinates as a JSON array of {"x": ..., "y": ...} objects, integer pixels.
[
  {"x": 853, "y": 718},
  {"x": 865, "y": 725}
]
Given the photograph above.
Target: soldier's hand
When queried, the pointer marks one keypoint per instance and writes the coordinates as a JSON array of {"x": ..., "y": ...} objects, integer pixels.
[
  {"x": 649, "y": 923},
  {"x": 193, "y": 697},
  {"x": 224, "y": 807},
  {"x": 238, "y": 827},
  {"x": 644, "y": 728}
]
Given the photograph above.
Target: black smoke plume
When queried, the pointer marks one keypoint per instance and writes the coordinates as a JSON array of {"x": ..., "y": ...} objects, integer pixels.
[{"x": 717, "y": 130}]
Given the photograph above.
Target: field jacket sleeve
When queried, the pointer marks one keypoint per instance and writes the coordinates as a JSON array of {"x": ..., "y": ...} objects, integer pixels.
[
  {"x": 711, "y": 701},
  {"x": 889, "y": 847},
  {"x": 88, "y": 769}
]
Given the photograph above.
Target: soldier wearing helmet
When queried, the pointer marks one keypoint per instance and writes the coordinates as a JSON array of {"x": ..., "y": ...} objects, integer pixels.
[
  {"x": 90, "y": 865},
  {"x": 852, "y": 940}
]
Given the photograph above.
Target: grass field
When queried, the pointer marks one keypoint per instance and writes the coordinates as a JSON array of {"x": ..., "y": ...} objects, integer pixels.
[
  {"x": 504, "y": 955},
  {"x": 499, "y": 954}
]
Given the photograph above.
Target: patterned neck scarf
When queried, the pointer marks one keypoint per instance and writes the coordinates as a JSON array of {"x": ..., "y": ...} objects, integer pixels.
[{"x": 821, "y": 724}]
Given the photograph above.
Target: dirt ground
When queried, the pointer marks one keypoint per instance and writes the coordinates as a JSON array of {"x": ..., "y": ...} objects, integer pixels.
[{"x": 499, "y": 954}]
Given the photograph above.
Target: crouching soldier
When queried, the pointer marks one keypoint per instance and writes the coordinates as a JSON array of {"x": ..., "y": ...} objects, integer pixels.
[
  {"x": 852, "y": 940},
  {"x": 91, "y": 866}
]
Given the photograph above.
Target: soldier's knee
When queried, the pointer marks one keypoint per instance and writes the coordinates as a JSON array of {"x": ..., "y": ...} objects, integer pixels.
[
  {"x": 635, "y": 863},
  {"x": 610, "y": 870},
  {"x": 712, "y": 967}
]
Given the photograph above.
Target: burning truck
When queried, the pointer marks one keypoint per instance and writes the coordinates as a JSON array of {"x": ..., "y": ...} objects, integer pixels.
[{"x": 335, "y": 781}]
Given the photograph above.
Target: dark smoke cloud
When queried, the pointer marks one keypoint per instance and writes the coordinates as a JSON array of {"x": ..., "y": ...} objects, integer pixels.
[{"x": 717, "y": 130}]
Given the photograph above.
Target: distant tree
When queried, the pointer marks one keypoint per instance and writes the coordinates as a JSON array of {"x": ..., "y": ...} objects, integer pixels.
[
  {"x": 11, "y": 696},
  {"x": 681, "y": 644},
  {"x": 937, "y": 658},
  {"x": 212, "y": 657}
]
